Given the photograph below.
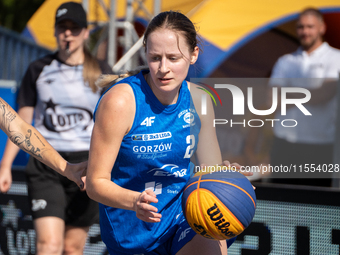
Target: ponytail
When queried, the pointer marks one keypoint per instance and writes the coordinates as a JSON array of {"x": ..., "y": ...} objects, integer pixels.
[
  {"x": 91, "y": 70},
  {"x": 105, "y": 80}
]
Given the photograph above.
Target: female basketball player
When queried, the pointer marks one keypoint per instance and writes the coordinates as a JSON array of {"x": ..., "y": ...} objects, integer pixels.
[
  {"x": 146, "y": 130},
  {"x": 30, "y": 140},
  {"x": 59, "y": 90}
]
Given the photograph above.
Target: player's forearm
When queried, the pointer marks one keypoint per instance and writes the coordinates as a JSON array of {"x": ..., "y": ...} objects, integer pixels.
[
  {"x": 9, "y": 155},
  {"x": 108, "y": 193},
  {"x": 55, "y": 161},
  {"x": 7, "y": 115},
  {"x": 43, "y": 151},
  {"x": 26, "y": 137}
]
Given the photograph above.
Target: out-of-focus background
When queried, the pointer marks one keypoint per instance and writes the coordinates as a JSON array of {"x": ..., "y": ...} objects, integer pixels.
[{"x": 240, "y": 39}]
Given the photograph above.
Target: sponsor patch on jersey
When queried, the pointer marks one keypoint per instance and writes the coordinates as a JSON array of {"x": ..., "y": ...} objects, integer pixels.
[
  {"x": 152, "y": 152},
  {"x": 173, "y": 189},
  {"x": 155, "y": 187},
  {"x": 188, "y": 117},
  {"x": 151, "y": 137},
  {"x": 49, "y": 81},
  {"x": 156, "y": 148},
  {"x": 168, "y": 170}
]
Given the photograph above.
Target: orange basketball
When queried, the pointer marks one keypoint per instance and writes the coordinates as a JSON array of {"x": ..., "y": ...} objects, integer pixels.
[{"x": 219, "y": 205}]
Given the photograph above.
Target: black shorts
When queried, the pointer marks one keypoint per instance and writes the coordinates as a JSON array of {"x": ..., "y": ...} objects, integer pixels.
[{"x": 52, "y": 194}]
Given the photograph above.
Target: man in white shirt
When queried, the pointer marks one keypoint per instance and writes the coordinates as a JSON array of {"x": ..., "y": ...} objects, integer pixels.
[{"x": 315, "y": 66}]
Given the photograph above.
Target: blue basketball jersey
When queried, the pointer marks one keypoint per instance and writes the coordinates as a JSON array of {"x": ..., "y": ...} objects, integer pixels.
[{"x": 154, "y": 155}]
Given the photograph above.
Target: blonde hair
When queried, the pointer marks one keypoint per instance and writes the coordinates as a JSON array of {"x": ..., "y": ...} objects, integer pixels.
[
  {"x": 91, "y": 70},
  {"x": 105, "y": 80}
]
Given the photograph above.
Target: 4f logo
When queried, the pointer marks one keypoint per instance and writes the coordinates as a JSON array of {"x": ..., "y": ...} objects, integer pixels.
[
  {"x": 184, "y": 234},
  {"x": 148, "y": 121}
]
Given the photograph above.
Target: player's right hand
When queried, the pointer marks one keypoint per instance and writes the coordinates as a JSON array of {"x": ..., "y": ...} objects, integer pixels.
[
  {"x": 5, "y": 180},
  {"x": 77, "y": 174},
  {"x": 145, "y": 211}
]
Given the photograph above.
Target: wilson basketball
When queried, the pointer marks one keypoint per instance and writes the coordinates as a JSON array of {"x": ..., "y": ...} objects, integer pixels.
[{"x": 219, "y": 205}]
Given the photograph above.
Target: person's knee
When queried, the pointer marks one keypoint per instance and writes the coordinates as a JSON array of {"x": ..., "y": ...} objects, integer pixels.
[
  {"x": 73, "y": 248},
  {"x": 75, "y": 239},
  {"x": 49, "y": 246}
]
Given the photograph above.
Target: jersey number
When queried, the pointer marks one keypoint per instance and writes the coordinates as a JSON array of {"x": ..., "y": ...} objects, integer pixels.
[{"x": 190, "y": 149}]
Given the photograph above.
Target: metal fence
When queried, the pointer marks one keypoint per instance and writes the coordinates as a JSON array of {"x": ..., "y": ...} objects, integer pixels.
[{"x": 16, "y": 53}]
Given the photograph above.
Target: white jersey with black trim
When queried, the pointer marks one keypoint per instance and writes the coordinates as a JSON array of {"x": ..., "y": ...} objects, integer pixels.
[{"x": 63, "y": 103}]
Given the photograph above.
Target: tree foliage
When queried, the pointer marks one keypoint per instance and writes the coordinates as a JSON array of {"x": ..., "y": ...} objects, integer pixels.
[{"x": 14, "y": 14}]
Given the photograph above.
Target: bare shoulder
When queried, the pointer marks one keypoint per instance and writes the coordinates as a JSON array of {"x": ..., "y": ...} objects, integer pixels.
[
  {"x": 197, "y": 93},
  {"x": 195, "y": 88},
  {"x": 119, "y": 97},
  {"x": 117, "y": 108}
]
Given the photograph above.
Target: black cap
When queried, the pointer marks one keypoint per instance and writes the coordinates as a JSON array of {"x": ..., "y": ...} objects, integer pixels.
[{"x": 71, "y": 11}]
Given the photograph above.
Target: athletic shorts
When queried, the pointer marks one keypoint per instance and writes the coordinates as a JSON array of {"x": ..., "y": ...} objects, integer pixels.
[
  {"x": 183, "y": 235},
  {"x": 52, "y": 194}
]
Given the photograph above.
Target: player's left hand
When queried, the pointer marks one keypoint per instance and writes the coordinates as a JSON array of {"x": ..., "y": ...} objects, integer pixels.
[{"x": 143, "y": 208}]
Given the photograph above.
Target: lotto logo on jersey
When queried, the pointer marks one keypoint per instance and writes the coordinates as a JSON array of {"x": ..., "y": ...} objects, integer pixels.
[
  {"x": 61, "y": 118},
  {"x": 148, "y": 121}
]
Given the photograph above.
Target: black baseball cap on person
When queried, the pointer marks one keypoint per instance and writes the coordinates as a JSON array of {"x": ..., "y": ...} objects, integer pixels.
[{"x": 71, "y": 11}]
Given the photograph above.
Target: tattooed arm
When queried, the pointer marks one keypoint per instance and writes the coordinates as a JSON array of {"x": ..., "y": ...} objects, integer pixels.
[{"x": 30, "y": 140}]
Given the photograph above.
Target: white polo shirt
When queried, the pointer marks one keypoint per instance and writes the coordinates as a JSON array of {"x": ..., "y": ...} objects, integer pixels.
[{"x": 324, "y": 62}]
